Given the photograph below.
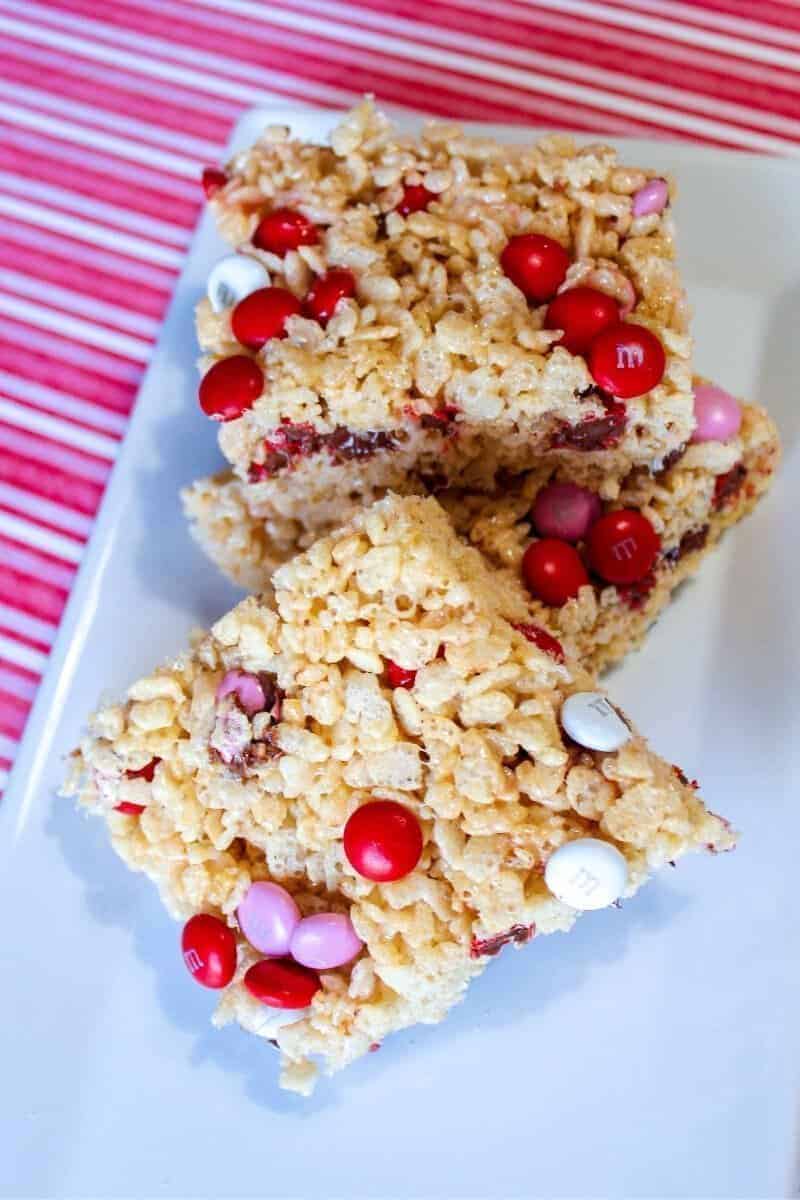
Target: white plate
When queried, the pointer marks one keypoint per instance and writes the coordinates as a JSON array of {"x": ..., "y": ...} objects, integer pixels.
[{"x": 654, "y": 1051}]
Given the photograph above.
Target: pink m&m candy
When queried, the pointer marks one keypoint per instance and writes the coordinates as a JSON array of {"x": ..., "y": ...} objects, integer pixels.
[
  {"x": 652, "y": 198},
  {"x": 718, "y": 414},
  {"x": 246, "y": 687},
  {"x": 566, "y": 511},
  {"x": 324, "y": 941},
  {"x": 268, "y": 916}
]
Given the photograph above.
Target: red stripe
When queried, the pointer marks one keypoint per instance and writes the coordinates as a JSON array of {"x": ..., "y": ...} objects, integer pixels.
[
  {"x": 74, "y": 380},
  {"x": 784, "y": 16},
  {"x": 70, "y": 81},
  {"x": 79, "y": 494},
  {"x": 179, "y": 94},
  {"x": 696, "y": 17},
  {"x": 23, "y": 639},
  {"x": 37, "y": 448},
  {"x": 36, "y": 445},
  {"x": 70, "y": 250},
  {"x": 104, "y": 362},
  {"x": 33, "y": 596},
  {"x": 104, "y": 163},
  {"x": 333, "y": 63},
  {"x": 43, "y": 264},
  {"x": 27, "y": 677},
  {"x": 631, "y": 54},
  {"x": 612, "y": 51},
  {"x": 18, "y": 510},
  {"x": 289, "y": 50},
  {"x": 13, "y": 714},
  {"x": 61, "y": 569},
  {"x": 97, "y": 122}
]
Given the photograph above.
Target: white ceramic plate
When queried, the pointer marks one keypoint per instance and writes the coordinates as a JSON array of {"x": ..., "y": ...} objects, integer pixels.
[{"x": 653, "y": 1052}]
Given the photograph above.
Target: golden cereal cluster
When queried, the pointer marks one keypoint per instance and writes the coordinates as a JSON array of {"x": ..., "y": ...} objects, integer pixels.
[
  {"x": 474, "y": 748},
  {"x": 435, "y": 317},
  {"x": 249, "y": 539}
]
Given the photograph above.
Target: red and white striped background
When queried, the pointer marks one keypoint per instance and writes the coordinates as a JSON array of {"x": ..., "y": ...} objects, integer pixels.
[{"x": 109, "y": 108}]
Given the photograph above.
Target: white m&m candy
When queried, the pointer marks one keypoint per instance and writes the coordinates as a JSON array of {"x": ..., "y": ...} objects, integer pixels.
[
  {"x": 587, "y": 873},
  {"x": 233, "y": 278},
  {"x": 592, "y": 722}
]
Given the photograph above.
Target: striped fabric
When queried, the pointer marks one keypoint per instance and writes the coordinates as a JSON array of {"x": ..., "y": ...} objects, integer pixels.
[{"x": 109, "y": 108}]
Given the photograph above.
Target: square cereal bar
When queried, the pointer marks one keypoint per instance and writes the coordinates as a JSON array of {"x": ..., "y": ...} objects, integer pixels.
[
  {"x": 688, "y": 503},
  {"x": 399, "y": 302},
  {"x": 358, "y": 795}
]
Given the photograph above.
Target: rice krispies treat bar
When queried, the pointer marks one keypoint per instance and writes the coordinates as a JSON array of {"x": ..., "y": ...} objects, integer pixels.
[
  {"x": 689, "y": 504},
  {"x": 440, "y": 356},
  {"x": 473, "y": 749}
]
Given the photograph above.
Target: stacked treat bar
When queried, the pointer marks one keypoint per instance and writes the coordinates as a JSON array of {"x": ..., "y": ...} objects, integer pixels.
[{"x": 468, "y": 465}]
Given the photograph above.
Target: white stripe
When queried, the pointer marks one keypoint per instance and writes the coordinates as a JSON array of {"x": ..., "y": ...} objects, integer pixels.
[
  {"x": 22, "y": 622},
  {"x": 554, "y": 110},
  {"x": 674, "y": 31},
  {"x": 4, "y": 775},
  {"x": 29, "y": 504},
  {"x": 8, "y": 747},
  {"x": 49, "y": 293},
  {"x": 17, "y": 685},
  {"x": 23, "y": 656},
  {"x": 158, "y": 278},
  {"x": 86, "y": 357},
  {"x": 685, "y": 56},
  {"x": 97, "y": 115},
  {"x": 714, "y": 20},
  {"x": 16, "y": 558},
  {"x": 47, "y": 453},
  {"x": 39, "y": 538},
  {"x": 134, "y": 174},
  {"x": 228, "y": 68},
  {"x": 221, "y": 110},
  {"x": 137, "y": 152},
  {"x": 97, "y": 209},
  {"x": 73, "y": 327},
  {"x": 525, "y": 79},
  {"x": 60, "y": 431},
  {"x": 90, "y": 231},
  {"x": 539, "y": 61},
  {"x": 61, "y": 404}
]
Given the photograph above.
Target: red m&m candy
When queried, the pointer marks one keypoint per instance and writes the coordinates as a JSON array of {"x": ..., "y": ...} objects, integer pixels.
[
  {"x": 281, "y": 983},
  {"x": 553, "y": 571},
  {"x": 536, "y": 264},
  {"x": 285, "y": 229},
  {"x": 622, "y": 546},
  {"x": 582, "y": 312},
  {"x": 209, "y": 950},
  {"x": 335, "y": 285},
  {"x": 230, "y": 387},
  {"x": 263, "y": 315},
  {"x": 626, "y": 360},
  {"x": 399, "y": 677},
  {"x": 415, "y": 198},
  {"x": 383, "y": 840},
  {"x": 212, "y": 180}
]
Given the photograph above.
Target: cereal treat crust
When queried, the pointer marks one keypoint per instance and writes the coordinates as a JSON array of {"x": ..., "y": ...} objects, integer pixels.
[
  {"x": 689, "y": 503},
  {"x": 393, "y": 666},
  {"x": 411, "y": 313}
]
